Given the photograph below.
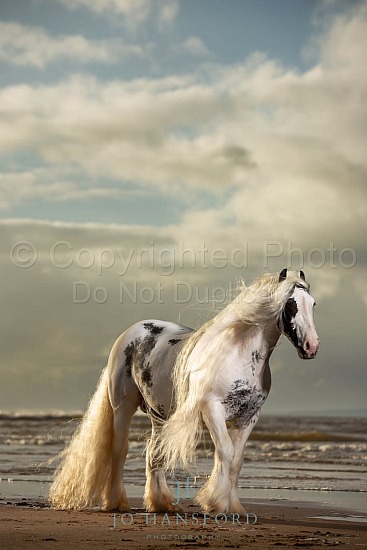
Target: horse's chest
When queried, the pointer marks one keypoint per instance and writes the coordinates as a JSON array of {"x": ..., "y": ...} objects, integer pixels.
[{"x": 242, "y": 402}]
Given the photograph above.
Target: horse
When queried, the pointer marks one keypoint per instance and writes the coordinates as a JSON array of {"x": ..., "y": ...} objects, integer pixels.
[{"x": 217, "y": 375}]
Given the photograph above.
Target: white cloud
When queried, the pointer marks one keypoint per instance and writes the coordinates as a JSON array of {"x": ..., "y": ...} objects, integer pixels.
[
  {"x": 194, "y": 47},
  {"x": 138, "y": 8},
  {"x": 133, "y": 12},
  {"x": 16, "y": 188},
  {"x": 42, "y": 184},
  {"x": 341, "y": 38},
  {"x": 122, "y": 130},
  {"x": 32, "y": 46},
  {"x": 169, "y": 10}
]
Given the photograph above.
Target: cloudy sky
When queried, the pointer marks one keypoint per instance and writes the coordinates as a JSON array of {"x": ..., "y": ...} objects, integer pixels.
[{"x": 155, "y": 152}]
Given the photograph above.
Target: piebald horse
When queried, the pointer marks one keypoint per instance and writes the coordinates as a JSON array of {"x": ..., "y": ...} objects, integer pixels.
[{"x": 218, "y": 375}]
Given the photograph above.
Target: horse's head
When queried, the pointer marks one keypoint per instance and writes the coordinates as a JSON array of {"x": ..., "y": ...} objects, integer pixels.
[{"x": 296, "y": 320}]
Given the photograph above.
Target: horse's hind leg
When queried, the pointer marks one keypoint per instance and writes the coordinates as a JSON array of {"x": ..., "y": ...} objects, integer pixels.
[
  {"x": 114, "y": 497},
  {"x": 157, "y": 496}
]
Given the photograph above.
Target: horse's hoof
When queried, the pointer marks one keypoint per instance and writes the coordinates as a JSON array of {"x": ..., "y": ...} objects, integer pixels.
[
  {"x": 169, "y": 509},
  {"x": 240, "y": 510},
  {"x": 175, "y": 508},
  {"x": 124, "y": 508}
]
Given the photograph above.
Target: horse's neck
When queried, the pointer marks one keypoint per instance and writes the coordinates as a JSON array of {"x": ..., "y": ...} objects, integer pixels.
[
  {"x": 261, "y": 339},
  {"x": 270, "y": 335},
  {"x": 245, "y": 338},
  {"x": 255, "y": 350},
  {"x": 228, "y": 341}
]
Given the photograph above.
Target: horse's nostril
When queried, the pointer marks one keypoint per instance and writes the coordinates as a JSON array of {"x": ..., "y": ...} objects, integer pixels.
[{"x": 307, "y": 346}]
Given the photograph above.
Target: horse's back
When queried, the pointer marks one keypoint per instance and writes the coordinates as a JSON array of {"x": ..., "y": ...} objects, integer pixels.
[
  {"x": 156, "y": 327},
  {"x": 141, "y": 362}
]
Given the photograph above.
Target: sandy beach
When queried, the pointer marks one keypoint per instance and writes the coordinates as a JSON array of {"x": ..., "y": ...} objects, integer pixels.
[{"x": 286, "y": 525}]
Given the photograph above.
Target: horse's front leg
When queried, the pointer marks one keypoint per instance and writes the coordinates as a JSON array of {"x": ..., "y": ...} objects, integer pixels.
[
  {"x": 215, "y": 496},
  {"x": 239, "y": 439}
]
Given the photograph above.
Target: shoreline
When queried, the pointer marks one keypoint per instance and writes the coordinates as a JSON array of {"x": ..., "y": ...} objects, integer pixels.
[
  {"x": 31, "y": 525},
  {"x": 18, "y": 491}
]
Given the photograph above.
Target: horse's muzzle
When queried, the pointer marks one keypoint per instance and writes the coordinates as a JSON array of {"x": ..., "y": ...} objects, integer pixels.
[{"x": 309, "y": 349}]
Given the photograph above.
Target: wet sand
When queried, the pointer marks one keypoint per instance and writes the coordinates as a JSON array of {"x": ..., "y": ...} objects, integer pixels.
[{"x": 278, "y": 524}]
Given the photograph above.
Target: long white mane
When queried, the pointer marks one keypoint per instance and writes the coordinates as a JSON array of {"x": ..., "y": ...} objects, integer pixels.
[{"x": 204, "y": 354}]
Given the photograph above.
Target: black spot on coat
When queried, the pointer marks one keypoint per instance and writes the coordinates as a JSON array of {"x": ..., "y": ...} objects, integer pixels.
[
  {"x": 243, "y": 402},
  {"x": 146, "y": 376},
  {"x": 289, "y": 313},
  {"x": 153, "y": 329},
  {"x": 256, "y": 357},
  {"x": 135, "y": 355},
  {"x": 130, "y": 352}
]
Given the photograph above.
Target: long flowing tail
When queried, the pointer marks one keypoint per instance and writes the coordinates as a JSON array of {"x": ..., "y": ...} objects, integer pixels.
[
  {"x": 86, "y": 462},
  {"x": 179, "y": 438}
]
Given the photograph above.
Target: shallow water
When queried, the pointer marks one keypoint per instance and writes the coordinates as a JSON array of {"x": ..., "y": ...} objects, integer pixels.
[{"x": 318, "y": 459}]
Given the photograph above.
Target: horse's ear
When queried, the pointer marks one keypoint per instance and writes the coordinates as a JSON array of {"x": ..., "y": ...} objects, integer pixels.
[
  {"x": 302, "y": 275},
  {"x": 283, "y": 275}
]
